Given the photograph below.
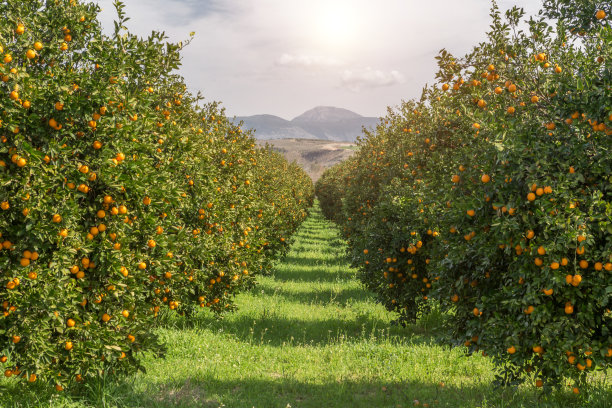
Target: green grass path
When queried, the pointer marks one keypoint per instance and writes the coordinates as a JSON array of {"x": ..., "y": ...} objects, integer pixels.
[{"x": 310, "y": 336}]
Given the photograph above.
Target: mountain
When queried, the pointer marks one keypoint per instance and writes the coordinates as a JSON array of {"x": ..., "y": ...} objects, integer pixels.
[{"x": 322, "y": 122}]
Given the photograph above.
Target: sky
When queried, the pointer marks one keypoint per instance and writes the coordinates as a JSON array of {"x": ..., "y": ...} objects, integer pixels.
[{"x": 283, "y": 57}]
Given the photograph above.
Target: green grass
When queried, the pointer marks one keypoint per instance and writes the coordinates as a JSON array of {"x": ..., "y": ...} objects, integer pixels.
[{"x": 309, "y": 336}]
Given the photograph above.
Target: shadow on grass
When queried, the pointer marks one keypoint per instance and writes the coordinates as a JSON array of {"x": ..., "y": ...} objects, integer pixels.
[
  {"x": 280, "y": 389},
  {"x": 322, "y": 297},
  {"x": 271, "y": 329}
]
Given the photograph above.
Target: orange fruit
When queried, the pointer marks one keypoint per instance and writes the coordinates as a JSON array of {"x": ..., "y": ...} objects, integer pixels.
[
  {"x": 511, "y": 350},
  {"x": 600, "y": 15}
]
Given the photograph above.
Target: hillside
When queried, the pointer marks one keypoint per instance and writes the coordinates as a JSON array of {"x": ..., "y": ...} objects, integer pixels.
[
  {"x": 322, "y": 122},
  {"x": 314, "y": 156}
]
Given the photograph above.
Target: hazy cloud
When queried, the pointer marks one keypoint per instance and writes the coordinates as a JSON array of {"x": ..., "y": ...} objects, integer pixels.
[
  {"x": 291, "y": 60},
  {"x": 284, "y": 57},
  {"x": 370, "y": 78}
]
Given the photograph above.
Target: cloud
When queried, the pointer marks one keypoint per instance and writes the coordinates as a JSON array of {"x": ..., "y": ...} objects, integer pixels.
[
  {"x": 306, "y": 61},
  {"x": 370, "y": 78}
]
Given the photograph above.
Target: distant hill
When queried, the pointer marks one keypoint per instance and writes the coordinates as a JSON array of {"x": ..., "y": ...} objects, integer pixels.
[
  {"x": 322, "y": 122},
  {"x": 314, "y": 156}
]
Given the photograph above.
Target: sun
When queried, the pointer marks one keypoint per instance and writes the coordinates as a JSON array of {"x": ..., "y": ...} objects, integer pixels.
[{"x": 336, "y": 25}]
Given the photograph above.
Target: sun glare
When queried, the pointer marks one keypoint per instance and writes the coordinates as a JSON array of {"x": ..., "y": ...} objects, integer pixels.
[{"x": 336, "y": 25}]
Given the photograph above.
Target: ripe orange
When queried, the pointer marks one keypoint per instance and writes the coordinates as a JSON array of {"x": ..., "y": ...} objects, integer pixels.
[{"x": 600, "y": 14}]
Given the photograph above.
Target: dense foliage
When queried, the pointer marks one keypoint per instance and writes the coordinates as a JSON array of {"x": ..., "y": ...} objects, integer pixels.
[
  {"x": 492, "y": 194},
  {"x": 120, "y": 195}
]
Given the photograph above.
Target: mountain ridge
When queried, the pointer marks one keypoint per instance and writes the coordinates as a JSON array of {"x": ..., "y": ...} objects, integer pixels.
[{"x": 322, "y": 122}]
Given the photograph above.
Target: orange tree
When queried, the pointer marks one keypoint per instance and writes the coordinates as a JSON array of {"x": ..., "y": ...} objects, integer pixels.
[
  {"x": 120, "y": 195},
  {"x": 505, "y": 173}
]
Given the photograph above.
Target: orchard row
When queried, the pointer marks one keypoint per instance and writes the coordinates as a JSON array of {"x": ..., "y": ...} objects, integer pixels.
[
  {"x": 121, "y": 195},
  {"x": 491, "y": 195}
]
